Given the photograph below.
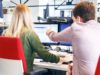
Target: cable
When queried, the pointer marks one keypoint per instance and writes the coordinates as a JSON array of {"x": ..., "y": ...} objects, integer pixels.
[
  {"x": 13, "y": 2},
  {"x": 26, "y": 1}
]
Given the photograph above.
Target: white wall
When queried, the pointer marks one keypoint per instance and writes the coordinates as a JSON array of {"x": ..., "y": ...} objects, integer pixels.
[
  {"x": 7, "y": 4},
  {"x": 35, "y": 10}
]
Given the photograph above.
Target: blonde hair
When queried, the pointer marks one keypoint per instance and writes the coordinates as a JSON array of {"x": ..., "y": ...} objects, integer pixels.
[{"x": 21, "y": 20}]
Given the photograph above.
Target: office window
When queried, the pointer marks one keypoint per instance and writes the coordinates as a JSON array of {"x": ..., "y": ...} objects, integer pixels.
[{"x": 55, "y": 6}]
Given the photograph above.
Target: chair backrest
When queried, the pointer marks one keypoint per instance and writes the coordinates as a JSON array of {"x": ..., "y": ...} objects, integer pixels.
[
  {"x": 97, "y": 72},
  {"x": 12, "y": 60}
]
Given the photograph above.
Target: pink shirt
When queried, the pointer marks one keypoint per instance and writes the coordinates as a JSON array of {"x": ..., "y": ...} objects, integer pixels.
[{"x": 85, "y": 39}]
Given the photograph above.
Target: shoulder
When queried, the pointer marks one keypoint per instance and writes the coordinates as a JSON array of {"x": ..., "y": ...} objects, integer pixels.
[
  {"x": 31, "y": 34},
  {"x": 27, "y": 33},
  {"x": 77, "y": 26}
]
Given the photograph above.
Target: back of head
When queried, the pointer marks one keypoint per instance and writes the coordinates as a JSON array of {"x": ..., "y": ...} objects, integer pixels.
[
  {"x": 22, "y": 15},
  {"x": 85, "y": 10},
  {"x": 21, "y": 19}
]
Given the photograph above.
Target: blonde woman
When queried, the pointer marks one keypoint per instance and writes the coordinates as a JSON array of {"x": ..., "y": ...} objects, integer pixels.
[{"x": 21, "y": 26}]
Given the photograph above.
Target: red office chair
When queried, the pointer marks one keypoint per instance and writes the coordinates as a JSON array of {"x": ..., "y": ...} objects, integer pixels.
[
  {"x": 12, "y": 60},
  {"x": 98, "y": 68}
]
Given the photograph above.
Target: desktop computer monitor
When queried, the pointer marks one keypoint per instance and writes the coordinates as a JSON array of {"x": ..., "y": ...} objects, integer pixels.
[
  {"x": 62, "y": 26},
  {"x": 41, "y": 29}
]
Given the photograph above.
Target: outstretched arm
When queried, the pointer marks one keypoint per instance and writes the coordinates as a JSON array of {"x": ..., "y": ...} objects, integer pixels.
[{"x": 64, "y": 35}]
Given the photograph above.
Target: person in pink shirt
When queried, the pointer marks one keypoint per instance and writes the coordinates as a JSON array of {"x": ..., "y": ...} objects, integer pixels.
[{"x": 84, "y": 34}]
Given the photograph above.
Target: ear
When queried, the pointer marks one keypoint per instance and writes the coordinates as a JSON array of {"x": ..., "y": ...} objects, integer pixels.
[{"x": 79, "y": 19}]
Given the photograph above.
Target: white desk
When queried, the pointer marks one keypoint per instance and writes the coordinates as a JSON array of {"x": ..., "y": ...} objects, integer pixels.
[
  {"x": 55, "y": 66},
  {"x": 68, "y": 57}
]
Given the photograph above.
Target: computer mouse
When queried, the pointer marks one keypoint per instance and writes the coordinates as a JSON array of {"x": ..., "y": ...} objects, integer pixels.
[{"x": 57, "y": 49}]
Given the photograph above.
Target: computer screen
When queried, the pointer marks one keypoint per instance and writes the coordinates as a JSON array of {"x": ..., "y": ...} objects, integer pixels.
[
  {"x": 41, "y": 29},
  {"x": 62, "y": 26}
]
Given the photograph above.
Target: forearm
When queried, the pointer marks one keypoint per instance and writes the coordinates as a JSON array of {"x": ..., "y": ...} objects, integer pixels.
[
  {"x": 64, "y": 35},
  {"x": 48, "y": 57}
]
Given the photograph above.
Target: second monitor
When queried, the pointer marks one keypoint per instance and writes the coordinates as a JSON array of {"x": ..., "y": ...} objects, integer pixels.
[
  {"x": 62, "y": 26},
  {"x": 41, "y": 29}
]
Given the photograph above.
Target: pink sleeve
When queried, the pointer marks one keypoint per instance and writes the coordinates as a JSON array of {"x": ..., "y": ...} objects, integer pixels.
[{"x": 64, "y": 35}]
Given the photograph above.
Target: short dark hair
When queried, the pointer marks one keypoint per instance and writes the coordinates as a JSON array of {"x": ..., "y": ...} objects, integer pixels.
[{"x": 86, "y": 10}]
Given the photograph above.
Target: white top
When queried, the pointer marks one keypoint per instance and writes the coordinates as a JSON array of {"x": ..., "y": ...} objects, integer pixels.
[{"x": 85, "y": 39}]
